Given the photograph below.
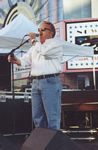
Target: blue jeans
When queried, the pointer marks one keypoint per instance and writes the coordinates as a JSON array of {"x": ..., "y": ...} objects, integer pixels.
[{"x": 46, "y": 102}]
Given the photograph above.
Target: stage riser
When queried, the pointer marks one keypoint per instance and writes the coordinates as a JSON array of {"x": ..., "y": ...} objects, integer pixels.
[{"x": 80, "y": 119}]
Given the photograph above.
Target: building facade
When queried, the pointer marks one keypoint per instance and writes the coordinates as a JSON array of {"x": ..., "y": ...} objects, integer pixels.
[{"x": 58, "y": 10}]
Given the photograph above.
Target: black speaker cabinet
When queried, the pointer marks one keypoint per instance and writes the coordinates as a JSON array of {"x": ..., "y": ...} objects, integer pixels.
[
  {"x": 48, "y": 139},
  {"x": 22, "y": 113},
  {"x": 5, "y": 73},
  {"x": 6, "y": 115},
  {"x": 15, "y": 113}
]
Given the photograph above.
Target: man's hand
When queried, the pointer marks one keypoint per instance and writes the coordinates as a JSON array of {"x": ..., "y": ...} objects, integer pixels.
[
  {"x": 32, "y": 36},
  {"x": 14, "y": 60}
]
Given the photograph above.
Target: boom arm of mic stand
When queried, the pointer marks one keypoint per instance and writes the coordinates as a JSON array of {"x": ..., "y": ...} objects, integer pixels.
[{"x": 13, "y": 50}]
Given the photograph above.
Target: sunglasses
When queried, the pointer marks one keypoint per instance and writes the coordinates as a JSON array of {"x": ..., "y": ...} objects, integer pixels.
[{"x": 42, "y": 30}]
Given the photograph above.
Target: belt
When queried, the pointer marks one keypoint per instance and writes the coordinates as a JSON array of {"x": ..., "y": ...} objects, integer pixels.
[{"x": 44, "y": 76}]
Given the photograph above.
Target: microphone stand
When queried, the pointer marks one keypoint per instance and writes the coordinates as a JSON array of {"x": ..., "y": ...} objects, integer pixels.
[
  {"x": 12, "y": 74},
  {"x": 12, "y": 66}
]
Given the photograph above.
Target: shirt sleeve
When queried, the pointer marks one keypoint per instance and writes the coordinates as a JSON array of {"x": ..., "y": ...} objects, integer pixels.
[
  {"x": 52, "y": 49},
  {"x": 26, "y": 58},
  {"x": 71, "y": 49}
]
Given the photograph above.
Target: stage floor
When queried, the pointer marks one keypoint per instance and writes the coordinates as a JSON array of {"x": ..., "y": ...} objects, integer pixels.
[{"x": 14, "y": 142}]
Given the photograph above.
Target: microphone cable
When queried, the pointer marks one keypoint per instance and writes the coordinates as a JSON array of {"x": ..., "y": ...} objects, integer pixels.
[{"x": 23, "y": 39}]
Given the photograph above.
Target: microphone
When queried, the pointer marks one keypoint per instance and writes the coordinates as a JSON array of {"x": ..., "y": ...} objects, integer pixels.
[{"x": 36, "y": 34}]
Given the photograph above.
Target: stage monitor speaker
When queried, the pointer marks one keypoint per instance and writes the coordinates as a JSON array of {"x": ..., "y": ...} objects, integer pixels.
[
  {"x": 48, "y": 139},
  {"x": 5, "y": 73}
]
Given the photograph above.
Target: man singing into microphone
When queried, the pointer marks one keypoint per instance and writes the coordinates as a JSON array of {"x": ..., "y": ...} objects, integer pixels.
[{"x": 45, "y": 57}]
